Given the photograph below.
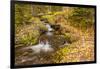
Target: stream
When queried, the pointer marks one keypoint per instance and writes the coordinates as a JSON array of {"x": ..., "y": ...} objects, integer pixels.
[
  {"x": 43, "y": 45},
  {"x": 40, "y": 53}
]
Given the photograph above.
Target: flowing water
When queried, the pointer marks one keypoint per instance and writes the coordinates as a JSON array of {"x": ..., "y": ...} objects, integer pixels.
[
  {"x": 37, "y": 54},
  {"x": 43, "y": 47}
]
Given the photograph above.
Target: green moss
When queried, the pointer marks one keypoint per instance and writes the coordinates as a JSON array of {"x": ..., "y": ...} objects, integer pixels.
[
  {"x": 37, "y": 23},
  {"x": 49, "y": 18},
  {"x": 30, "y": 38},
  {"x": 49, "y": 13},
  {"x": 58, "y": 13},
  {"x": 70, "y": 38},
  {"x": 60, "y": 54}
]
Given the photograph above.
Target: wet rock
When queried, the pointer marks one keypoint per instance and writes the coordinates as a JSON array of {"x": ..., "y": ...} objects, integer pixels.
[
  {"x": 57, "y": 40},
  {"x": 55, "y": 27}
]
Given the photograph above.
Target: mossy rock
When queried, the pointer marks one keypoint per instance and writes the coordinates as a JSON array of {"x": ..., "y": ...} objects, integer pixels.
[
  {"x": 70, "y": 38},
  {"x": 56, "y": 41},
  {"x": 50, "y": 18}
]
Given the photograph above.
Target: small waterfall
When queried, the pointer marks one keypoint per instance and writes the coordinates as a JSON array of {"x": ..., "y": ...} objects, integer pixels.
[
  {"x": 41, "y": 47},
  {"x": 49, "y": 30},
  {"x": 49, "y": 27}
]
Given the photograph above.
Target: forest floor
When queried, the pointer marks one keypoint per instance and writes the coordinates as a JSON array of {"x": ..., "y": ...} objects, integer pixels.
[
  {"x": 78, "y": 51},
  {"x": 81, "y": 50}
]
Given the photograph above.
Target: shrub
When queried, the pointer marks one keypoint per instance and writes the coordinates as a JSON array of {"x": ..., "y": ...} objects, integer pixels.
[{"x": 82, "y": 18}]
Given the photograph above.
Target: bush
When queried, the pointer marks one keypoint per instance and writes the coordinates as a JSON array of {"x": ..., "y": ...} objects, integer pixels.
[{"x": 82, "y": 18}]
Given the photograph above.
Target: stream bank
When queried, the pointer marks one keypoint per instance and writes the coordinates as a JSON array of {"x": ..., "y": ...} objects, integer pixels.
[{"x": 40, "y": 53}]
